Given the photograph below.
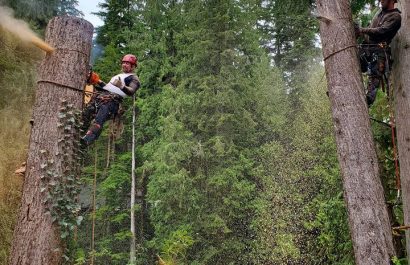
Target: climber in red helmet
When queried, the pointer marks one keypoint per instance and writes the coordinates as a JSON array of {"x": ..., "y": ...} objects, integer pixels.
[{"x": 106, "y": 102}]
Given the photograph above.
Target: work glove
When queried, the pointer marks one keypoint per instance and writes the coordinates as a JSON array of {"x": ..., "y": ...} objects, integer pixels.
[
  {"x": 94, "y": 78},
  {"x": 117, "y": 83}
]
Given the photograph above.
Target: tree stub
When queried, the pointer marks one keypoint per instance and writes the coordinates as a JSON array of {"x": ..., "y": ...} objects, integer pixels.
[{"x": 62, "y": 76}]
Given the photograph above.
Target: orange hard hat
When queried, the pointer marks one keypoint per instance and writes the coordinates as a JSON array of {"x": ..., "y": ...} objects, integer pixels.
[{"x": 132, "y": 59}]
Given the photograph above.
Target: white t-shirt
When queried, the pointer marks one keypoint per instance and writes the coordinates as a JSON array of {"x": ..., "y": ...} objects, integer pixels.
[{"x": 114, "y": 89}]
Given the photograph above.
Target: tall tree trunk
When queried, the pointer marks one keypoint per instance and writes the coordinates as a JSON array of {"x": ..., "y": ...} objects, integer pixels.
[
  {"x": 62, "y": 75},
  {"x": 401, "y": 83},
  {"x": 368, "y": 218}
]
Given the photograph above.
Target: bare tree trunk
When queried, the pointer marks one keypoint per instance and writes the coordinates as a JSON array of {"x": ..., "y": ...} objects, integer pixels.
[
  {"x": 62, "y": 75},
  {"x": 368, "y": 218},
  {"x": 133, "y": 245},
  {"x": 401, "y": 83}
]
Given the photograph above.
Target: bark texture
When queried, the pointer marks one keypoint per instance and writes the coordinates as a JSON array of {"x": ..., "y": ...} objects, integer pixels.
[
  {"x": 401, "y": 85},
  {"x": 36, "y": 238},
  {"x": 368, "y": 218}
]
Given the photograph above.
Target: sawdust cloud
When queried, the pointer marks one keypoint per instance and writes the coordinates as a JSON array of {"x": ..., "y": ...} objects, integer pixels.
[{"x": 21, "y": 29}]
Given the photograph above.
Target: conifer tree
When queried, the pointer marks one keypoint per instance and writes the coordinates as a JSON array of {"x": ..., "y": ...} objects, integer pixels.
[
  {"x": 203, "y": 186},
  {"x": 288, "y": 34},
  {"x": 117, "y": 16}
]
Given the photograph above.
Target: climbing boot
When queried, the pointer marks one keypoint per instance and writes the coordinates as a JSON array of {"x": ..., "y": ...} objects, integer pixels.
[
  {"x": 87, "y": 139},
  {"x": 373, "y": 86},
  {"x": 91, "y": 135},
  {"x": 371, "y": 97}
]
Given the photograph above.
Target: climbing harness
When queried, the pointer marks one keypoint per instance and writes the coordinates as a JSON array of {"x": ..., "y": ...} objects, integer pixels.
[{"x": 351, "y": 46}]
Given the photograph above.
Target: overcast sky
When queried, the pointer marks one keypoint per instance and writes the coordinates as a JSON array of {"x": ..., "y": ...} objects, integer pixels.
[{"x": 88, "y": 6}]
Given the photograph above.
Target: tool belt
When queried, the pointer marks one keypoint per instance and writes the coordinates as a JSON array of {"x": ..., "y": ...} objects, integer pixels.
[
  {"x": 107, "y": 96},
  {"x": 374, "y": 48},
  {"x": 370, "y": 54}
]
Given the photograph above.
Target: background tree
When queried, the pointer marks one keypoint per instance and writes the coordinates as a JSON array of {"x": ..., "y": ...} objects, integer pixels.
[
  {"x": 117, "y": 17},
  {"x": 401, "y": 105},
  {"x": 203, "y": 152},
  {"x": 288, "y": 34}
]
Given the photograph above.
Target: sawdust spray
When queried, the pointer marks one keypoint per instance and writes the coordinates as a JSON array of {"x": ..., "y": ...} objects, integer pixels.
[{"x": 21, "y": 29}]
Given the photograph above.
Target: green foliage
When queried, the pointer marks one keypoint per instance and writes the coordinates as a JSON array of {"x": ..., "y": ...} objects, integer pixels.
[
  {"x": 80, "y": 257},
  {"x": 359, "y": 5},
  {"x": 333, "y": 241},
  {"x": 175, "y": 247},
  {"x": 307, "y": 214},
  {"x": 288, "y": 34},
  {"x": 117, "y": 16},
  {"x": 203, "y": 167},
  {"x": 327, "y": 216},
  {"x": 397, "y": 261},
  {"x": 38, "y": 13},
  {"x": 68, "y": 7},
  {"x": 60, "y": 191}
]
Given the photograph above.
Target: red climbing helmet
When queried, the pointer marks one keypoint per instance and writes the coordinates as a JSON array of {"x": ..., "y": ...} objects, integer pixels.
[{"x": 130, "y": 58}]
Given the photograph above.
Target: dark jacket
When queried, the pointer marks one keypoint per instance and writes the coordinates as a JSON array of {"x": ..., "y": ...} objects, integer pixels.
[{"x": 384, "y": 27}]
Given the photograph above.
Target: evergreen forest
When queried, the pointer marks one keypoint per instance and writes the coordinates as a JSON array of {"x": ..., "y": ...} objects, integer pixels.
[{"x": 236, "y": 159}]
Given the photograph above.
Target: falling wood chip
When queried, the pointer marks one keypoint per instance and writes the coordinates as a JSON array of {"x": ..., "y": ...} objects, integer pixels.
[
  {"x": 160, "y": 261},
  {"x": 22, "y": 170}
]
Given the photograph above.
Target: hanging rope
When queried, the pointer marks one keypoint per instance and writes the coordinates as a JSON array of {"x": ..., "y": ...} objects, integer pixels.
[
  {"x": 94, "y": 208},
  {"x": 393, "y": 137},
  {"x": 108, "y": 152},
  {"x": 389, "y": 92},
  {"x": 133, "y": 188},
  {"x": 403, "y": 227},
  {"x": 116, "y": 126}
]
